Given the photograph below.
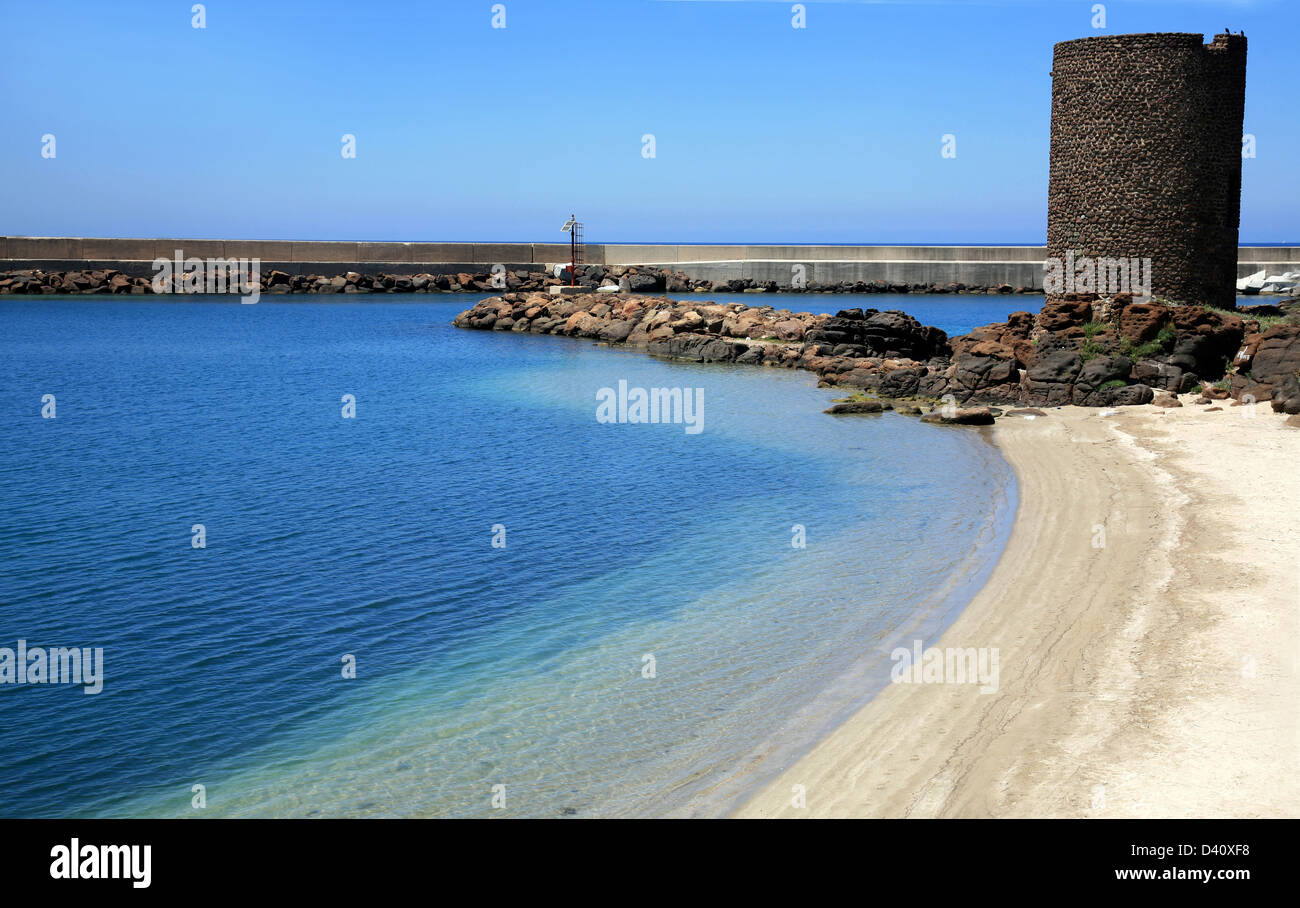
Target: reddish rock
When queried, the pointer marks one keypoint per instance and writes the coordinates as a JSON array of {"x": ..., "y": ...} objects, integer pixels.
[
  {"x": 1249, "y": 347},
  {"x": 1058, "y": 315},
  {"x": 1141, "y": 322},
  {"x": 788, "y": 329}
]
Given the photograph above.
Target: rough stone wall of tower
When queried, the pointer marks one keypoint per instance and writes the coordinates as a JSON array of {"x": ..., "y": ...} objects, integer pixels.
[{"x": 1146, "y": 157}]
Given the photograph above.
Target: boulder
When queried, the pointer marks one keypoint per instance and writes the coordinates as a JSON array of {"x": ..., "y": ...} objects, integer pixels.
[
  {"x": 1071, "y": 311},
  {"x": 974, "y": 376},
  {"x": 1049, "y": 381},
  {"x": 897, "y": 334},
  {"x": 788, "y": 329},
  {"x": 1160, "y": 375},
  {"x": 1089, "y": 387},
  {"x": 1286, "y": 395},
  {"x": 973, "y": 416},
  {"x": 645, "y": 282},
  {"x": 857, "y": 406},
  {"x": 699, "y": 348},
  {"x": 1276, "y": 364},
  {"x": 901, "y": 381},
  {"x": 1141, "y": 322},
  {"x": 617, "y": 331}
]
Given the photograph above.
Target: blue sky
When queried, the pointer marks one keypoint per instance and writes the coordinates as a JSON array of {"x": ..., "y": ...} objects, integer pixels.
[{"x": 763, "y": 132}]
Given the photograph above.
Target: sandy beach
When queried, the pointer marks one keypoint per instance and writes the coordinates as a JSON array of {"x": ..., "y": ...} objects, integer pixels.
[{"x": 1154, "y": 672}]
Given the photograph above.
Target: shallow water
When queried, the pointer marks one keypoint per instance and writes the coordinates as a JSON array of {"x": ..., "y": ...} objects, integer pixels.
[{"x": 372, "y": 537}]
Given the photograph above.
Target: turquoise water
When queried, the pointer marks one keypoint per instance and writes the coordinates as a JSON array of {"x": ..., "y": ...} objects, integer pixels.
[{"x": 372, "y": 537}]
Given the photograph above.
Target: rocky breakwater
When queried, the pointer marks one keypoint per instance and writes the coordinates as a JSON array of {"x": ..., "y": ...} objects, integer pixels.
[
  {"x": 854, "y": 348},
  {"x": 1082, "y": 350},
  {"x": 595, "y": 278},
  {"x": 271, "y": 282}
]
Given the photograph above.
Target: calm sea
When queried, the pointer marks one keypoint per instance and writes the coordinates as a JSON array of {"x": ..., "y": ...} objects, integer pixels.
[{"x": 647, "y": 642}]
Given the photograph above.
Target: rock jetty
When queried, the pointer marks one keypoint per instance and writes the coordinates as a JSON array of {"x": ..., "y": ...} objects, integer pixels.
[
  {"x": 1083, "y": 350},
  {"x": 596, "y": 278}
]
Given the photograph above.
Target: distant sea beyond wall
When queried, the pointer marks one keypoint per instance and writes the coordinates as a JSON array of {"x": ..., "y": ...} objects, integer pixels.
[{"x": 1017, "y": 266}]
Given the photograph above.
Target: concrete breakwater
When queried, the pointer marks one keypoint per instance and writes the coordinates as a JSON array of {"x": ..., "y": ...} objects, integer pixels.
[{"x": 788, "y": 267}]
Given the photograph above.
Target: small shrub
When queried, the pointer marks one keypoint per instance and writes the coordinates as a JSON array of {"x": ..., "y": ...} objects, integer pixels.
[
  {"x": 1163, "y": 343},
  {"x": 1113, "y": 383}
]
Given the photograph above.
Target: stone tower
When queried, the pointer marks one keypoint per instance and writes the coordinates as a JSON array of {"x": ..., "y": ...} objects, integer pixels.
[{"x": 1146, "y": 158}]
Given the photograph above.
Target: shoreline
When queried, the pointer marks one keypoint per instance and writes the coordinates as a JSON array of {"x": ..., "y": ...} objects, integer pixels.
[
  {"x": 1154, "y": 676},
  {"x": 868, "y": 677}
]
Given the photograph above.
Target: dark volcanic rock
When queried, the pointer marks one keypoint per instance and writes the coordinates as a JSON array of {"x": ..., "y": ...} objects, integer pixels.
[
  {"x": 1088, "y": 386},
  {"x": 885, "y": 334},
  {"x": 697, "y": 348},
  {"x": 857, "y": 406},
  {"x": 1051, "y": 380},
  {"x": 647, "y": 282},
  {"x": 1276, "y": 364},
  {"x": 895, "y": 334},
  {"x": 973, "y": 416},
  {"x": 1160, "y": 375},
  {"x": 976, "y": 377}
]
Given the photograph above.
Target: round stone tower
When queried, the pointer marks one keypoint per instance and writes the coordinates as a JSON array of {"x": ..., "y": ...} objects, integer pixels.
[{"x": 1146, "y": 162}]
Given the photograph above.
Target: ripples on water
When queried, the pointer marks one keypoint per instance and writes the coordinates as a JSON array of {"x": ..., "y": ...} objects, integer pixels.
[{"x": 476, "y": 666}]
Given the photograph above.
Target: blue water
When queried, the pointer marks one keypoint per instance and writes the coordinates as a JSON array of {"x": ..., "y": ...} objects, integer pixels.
[
  {"x": 954, "y": 313},
  {"x": 372, "y": 537}
]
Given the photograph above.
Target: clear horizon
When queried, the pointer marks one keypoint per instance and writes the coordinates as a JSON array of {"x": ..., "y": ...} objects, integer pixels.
[{"x": 763, "y": 133}]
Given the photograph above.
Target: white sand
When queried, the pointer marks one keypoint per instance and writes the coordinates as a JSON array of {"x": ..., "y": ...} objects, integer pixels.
[{"x": 1156, "y": 676}]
